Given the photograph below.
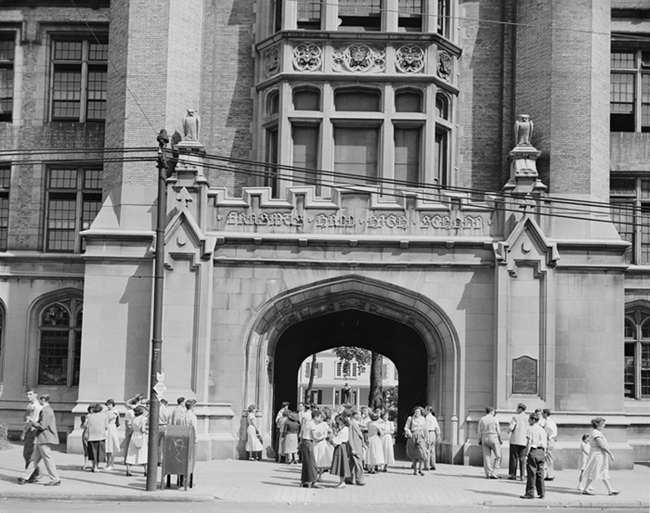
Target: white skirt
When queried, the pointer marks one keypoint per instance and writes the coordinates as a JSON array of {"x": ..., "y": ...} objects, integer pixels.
[
  {"x": 252, "y": 443},
  {"x": 112, "y": 439},
  {"x": 375, "y": 452},
  {"x": 323, "y": 453}
]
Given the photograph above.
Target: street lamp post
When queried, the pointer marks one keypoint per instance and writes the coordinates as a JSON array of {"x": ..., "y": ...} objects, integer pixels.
[{"x": 156, "y": 339}]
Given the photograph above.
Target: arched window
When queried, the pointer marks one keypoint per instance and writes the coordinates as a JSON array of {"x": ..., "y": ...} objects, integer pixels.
[
  {"x": 362, "y": 100},
  {"x": 442, "y": 107},
  {"x": 408, "y": 101},
  {"x": 60, "y": 343},
  {"x": 637, "y": 353},
  {"x": 306, "y": 99},
  {"x": 273, "y": 103}
]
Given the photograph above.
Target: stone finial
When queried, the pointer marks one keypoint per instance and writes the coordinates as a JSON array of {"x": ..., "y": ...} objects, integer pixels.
[
  {"x": 191, "y": 125},
  {"x": 523, "y": 130}
]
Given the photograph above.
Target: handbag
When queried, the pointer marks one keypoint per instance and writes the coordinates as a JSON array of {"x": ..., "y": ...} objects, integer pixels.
[
  {"x": 117, "y": 420},
  {"x": 407, "y": 428},
  {"x": 138, "y": 439},
  {"x": 259, "y": 437}
]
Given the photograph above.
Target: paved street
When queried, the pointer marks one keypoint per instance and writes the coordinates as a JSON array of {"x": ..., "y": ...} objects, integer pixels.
[{"x": 256, "y": 486}]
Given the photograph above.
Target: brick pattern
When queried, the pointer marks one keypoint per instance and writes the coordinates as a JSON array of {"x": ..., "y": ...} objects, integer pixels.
[{"x": 563, "y": 83}]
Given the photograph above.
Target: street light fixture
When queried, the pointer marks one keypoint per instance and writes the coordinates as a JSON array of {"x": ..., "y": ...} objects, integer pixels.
[{"x": 156, "y": 338}]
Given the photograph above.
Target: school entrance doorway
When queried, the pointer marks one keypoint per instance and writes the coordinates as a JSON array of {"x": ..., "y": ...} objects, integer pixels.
[{"x": 394, "y": 340}]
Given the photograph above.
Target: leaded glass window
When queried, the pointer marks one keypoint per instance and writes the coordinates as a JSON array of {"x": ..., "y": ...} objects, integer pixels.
[{"x": 60, "y": 343}]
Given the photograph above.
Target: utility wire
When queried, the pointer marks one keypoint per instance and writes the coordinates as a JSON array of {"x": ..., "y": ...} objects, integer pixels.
[{"x": 275, "y": 167}]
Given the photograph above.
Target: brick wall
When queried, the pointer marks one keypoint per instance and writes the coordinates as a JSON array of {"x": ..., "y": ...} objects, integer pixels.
[
  {"x": 562, "y": 81},
  {"x": 483, "y": 85}
]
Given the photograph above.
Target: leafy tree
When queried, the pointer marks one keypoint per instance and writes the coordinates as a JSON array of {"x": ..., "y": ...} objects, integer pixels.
[
  {"x": 363, "y": 357},
  {"x": 310, "y": 385},
  {"x": 376, "y": 374}
]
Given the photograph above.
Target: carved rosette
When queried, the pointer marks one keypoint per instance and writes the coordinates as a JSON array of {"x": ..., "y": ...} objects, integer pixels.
[
  {"x": 444, "y": 65},
  {"x": 307, "y": 57},
  {"x": 409, "y": 59},
  {"x": 271, "y": 61},
  {"x": 359, "y": 58}
]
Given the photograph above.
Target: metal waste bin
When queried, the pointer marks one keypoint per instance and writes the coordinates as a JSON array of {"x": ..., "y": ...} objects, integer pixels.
[{"x": 178, "y": 455}]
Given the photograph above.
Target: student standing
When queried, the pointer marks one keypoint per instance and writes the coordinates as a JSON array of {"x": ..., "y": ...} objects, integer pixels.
[
  {"x": 518, "y": 428},
  {"x": 112, "y": 435},
  {"x": 536, "y": 443},
  {"x": 489, "y": 436},
  {"x": 29, "y": 431}
]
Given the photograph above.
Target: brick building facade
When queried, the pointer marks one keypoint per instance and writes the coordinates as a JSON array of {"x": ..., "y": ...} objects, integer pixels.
[{"x": 358, "y": 181}]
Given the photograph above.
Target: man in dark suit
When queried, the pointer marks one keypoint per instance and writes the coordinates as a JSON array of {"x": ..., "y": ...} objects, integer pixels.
[
  {"x": 46, "y": 436},
  {"x": 356, "y": 449}
]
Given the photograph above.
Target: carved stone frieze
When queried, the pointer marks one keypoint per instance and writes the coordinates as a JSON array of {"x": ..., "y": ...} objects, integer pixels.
[
  {"x": 359, "y": 58},
  {"x": 307, "y": 57},
  {"x": 352, "y": 304},
  {"x": 271, "y": 61},
  {"x": 410, "y": 59},
  {"x": 444, "y": 67}
]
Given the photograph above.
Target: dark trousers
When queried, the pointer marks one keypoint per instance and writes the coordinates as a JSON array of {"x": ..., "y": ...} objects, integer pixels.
[
  {"x": 356, "y": 467},
  {"x": 517, "y": 459},
  {"x": 535, "y": 468},
  {"x": 28, "y": 450}
]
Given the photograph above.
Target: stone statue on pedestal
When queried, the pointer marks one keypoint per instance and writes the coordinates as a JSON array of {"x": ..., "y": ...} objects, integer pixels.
[
  {"x": 191, "y": 125},
  {"x": 523, "y": 130}
]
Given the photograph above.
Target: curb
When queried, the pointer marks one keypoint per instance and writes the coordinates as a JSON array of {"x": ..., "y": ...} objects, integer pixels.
[{"x": 140, "y": 497}]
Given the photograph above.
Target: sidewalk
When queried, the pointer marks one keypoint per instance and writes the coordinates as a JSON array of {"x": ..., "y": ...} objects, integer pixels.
[{"x": 268, "y": 482}]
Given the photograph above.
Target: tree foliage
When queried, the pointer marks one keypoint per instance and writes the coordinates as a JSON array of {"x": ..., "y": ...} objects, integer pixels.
[{"x": 362, "y": 356}]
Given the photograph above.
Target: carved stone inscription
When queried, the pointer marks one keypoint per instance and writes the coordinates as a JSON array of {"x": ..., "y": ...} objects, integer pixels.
[
  {"x": 524, "y": 375},
  {"x": 373, "y": 222}
]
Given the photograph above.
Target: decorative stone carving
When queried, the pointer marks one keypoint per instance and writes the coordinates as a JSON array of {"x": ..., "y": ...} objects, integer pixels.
[
  {"x": 352, "y": 303},
  {"x": 271, "y": 61},
  {"x": 307, "y": 57},
  {"x": 523, "y": 130},
  {"x": 359, "y": 58},
  {"x": 191, "y": 125},
  {"x": 409, "y": 59},
  {"x": 444, "y": 65}
]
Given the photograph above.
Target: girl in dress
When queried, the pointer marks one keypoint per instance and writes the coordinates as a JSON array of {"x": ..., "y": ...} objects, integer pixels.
[
  {"x": 597, "y": 466},
  {"x": 131, "y": 404},
  {"x": 375, "y": 450},
  {"x": 582, "y": 458},
  {"x": 253, "y": 445},
  {"x": 417, "y": 436},
  {"x": 341, "y": 459},
  {"x": 112, "y": 436},
  {"x": 290, "y": 432},
  {"x": 388, "y": 440},
  {"x": 137, "y": 451},
  {"x": 323, "y": 451}
]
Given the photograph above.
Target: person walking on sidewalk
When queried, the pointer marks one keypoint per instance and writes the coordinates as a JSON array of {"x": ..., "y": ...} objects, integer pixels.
[
  {"x": 536, "y": 443},
  {"x": 29, "y": 431},
  {"x": 46, "y": 436},
  {"x": 551, "y": 432},
  {"x": 597, "y": 466},
  {"x": 518, "y": 428},
  {"x": 489, "y": 437}
]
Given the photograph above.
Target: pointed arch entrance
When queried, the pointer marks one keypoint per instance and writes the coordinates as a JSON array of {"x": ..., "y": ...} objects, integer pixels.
[{"x": 403, "y": 325}]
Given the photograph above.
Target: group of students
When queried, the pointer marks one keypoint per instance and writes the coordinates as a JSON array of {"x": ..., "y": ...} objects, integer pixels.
[
  {"x": 101, "y": 441},
  {"x": 345, "y": 444}
]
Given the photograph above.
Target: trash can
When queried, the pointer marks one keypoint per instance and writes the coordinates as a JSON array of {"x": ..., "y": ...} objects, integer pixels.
[{"x": 178, "y": 455}]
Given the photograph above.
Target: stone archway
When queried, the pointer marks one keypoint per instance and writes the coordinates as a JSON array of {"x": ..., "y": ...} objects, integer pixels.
[{"x": 369, "y": 297}]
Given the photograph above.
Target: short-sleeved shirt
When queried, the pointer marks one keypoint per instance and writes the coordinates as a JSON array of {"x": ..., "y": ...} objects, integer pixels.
[
  {"x": 488, "y": 425},
  {"x": 33, "y": 409},
  {"x": 537, "y": 436},
  {"x": 432, "y": 423},
  {"x": 551, "y": 428},
  {"x": 519, "y": 428}
]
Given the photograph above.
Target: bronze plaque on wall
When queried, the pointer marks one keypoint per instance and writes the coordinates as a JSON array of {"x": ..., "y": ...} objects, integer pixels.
[{"x": 524, "y": 375}]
